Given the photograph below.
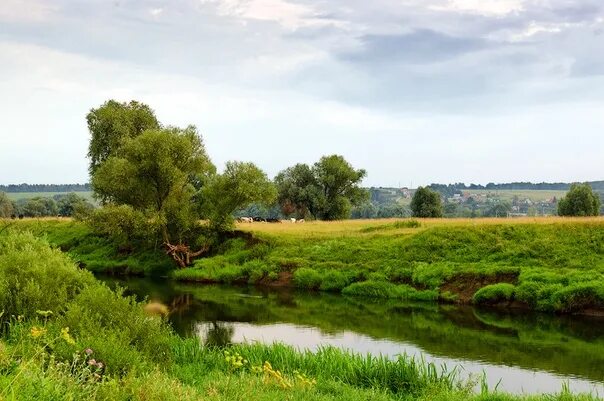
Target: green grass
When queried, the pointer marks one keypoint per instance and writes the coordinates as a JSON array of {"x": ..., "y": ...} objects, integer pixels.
[
  {"x": 95, "y": 344},
  {"x": 29, "y": 195},
  {"x": 550, "y": 264}
]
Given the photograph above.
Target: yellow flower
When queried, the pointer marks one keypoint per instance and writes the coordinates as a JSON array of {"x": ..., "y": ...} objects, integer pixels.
[
  {"x": 37, "y": 331},
  {"x": 66, "y": 336}
]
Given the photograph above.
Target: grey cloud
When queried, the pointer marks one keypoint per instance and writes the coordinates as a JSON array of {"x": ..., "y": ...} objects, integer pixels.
[{"x": 421, "y": 46}]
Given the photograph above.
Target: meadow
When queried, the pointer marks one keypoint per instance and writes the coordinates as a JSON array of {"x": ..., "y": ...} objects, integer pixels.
[
  {"x": 548, "y": 264},
  {"x": 66, "y": 336},
  {"x": 15, "y": 196}
]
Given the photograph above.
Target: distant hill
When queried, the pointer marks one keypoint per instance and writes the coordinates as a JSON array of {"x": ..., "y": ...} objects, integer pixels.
[{"x": 18, "y": 188}]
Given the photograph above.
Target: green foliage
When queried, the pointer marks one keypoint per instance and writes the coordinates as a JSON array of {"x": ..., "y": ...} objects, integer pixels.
[
  {"x": 123, "y": 224},
  {"x": 495, "y": 293},
  {"x": 34, "y": 277},
  {"x": 579, "y": 201},
  {"x": 426, "y": 203},
  {"x": 240, "y": 185},
  {"x": 112, "y": 124},
  {"x": 6, "y": 206},
  {"x": 307, "y": 278},
  {"x": 385, "y": 289},
  {"x": 155, "y": 173},
  {"x": 73, "y": 205},
  {"x": 327, "y": 191},
  {"x": 102, "y": 346},
  {"x": 334, "y": 280},
  {"x": 297, "y": 190}
]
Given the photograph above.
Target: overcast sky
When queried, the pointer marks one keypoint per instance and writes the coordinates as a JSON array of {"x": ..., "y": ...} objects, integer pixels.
[{"x": 414, "y": 91}]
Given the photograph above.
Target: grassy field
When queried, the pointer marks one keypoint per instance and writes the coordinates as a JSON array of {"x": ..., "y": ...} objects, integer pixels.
[
  {"x": 66, "y": 336},
  {"x": 549, "y": 264},
  {"x": 29, "y": 195},
  {"x": 509, "y": 194}
]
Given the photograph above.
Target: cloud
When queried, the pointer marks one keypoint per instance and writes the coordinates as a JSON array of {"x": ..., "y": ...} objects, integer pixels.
[
  {"x": 421, "y": 46},
  {"x": 379, "y": 81},
  {"x": 483, "y": 7}
]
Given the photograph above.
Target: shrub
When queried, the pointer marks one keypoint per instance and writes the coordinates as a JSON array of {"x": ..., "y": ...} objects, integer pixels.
[
  {"x": 577, "y": 297},
  {"x": 121, "y": 334},
  {"x": 308, "y": 278},
  {"x": 256, "y": 270},
  {"x": 334, "y": 280},
  {"x": 494, "y": 293},
  {"x": 35, "y": 277}
]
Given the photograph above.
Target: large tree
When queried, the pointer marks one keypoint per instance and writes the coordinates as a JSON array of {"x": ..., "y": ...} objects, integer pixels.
[
  {"x": 158, "y": 174},
  {"x": 112, "y": 123},
  {"x": 297, "y": 190},
  {"x": 579, "y": 201},
  {"x": 240, "y": 185},
  {"x": 426, "y": 203},
  {"x": 327, "y": 190}
]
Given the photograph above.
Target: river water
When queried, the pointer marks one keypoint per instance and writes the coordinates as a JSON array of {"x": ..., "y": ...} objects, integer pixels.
[{"x": 518, "y": 352}]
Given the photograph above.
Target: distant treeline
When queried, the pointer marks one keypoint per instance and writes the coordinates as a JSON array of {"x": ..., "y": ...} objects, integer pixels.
[{"x": 15, "y": 188}]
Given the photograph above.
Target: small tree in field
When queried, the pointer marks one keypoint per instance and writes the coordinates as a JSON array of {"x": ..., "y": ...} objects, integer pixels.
[
  {"x": 579, "y": 201},
  {"x": 426, "y": 203}
]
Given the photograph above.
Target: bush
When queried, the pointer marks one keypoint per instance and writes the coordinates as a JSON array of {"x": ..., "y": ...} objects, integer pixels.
[
  {"x": 495, "y": 293},
  {"x": 121, "y": 334},
  {"x": 577, "y": 297},
  {"x": 308, "y": 278},
  {"x": 35, "y": 277},
  {"x": 334, "y": 280}
]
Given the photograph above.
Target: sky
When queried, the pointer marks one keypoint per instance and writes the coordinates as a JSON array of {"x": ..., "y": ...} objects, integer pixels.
[{"x": 413, "y": 91}]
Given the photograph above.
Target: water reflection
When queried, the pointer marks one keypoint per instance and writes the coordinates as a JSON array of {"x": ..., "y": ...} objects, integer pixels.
[{"x": 527, "y": 352}]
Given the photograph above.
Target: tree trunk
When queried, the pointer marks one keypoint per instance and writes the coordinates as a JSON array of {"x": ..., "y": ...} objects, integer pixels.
[{"x": 182, "y": 254}]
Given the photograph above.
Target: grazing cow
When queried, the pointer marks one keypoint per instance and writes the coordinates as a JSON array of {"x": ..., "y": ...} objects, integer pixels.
[
  {"x": 245, "y": 220},
  {"x": 271, "y": 220},
  {"x": 300, "y": 221},
  {"x": 293, "y": 220},
  {"x": 21, "y": 216},
  {"x": 259, "y": 219}
]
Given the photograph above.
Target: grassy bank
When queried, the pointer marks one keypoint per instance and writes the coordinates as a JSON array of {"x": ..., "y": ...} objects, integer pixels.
[
  {"x": 65, "y": 336},
  {"x": 546, "y": 264},
  {"x": 549, "y": 264}
]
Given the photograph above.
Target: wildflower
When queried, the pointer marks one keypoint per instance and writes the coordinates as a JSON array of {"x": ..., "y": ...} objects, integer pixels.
[
  {"x": 92, "y": 362},
  {"x": 37, "y": 331},
  {"x": 100, "y": 365},
  {"x": 88, "y": 351},
  {"x": 66, "y": 336}
]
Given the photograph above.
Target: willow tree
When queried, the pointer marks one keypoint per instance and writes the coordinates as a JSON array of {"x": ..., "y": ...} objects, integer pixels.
[{"x": 158, "y": 174}]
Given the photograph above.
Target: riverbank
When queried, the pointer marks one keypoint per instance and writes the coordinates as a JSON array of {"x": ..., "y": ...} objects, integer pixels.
[
  {"x": 64, "y": 335},
  {"x": 544, "y": 264}
]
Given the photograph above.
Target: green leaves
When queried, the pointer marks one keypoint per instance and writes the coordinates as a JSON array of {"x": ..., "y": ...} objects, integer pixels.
[
  {"x": 580, "y": 201},
  {"x": 426, "y": 203},
  {"x": 326, "y": 191},
  {"x": 240, "y": 185}
]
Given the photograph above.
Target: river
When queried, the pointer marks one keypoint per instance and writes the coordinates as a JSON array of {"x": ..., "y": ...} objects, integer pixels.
[{"x": 518, "y": 352}]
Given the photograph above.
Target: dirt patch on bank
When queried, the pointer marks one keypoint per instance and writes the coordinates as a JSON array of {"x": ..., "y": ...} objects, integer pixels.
[
  {"x": 284, "y": 280},
  {"x": 465, "y": 285}
]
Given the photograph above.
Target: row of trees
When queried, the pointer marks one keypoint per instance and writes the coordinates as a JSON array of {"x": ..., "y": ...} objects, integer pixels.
[
  {"x": 157, "y": 181},
  {"x": 67, "y": 205}
]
